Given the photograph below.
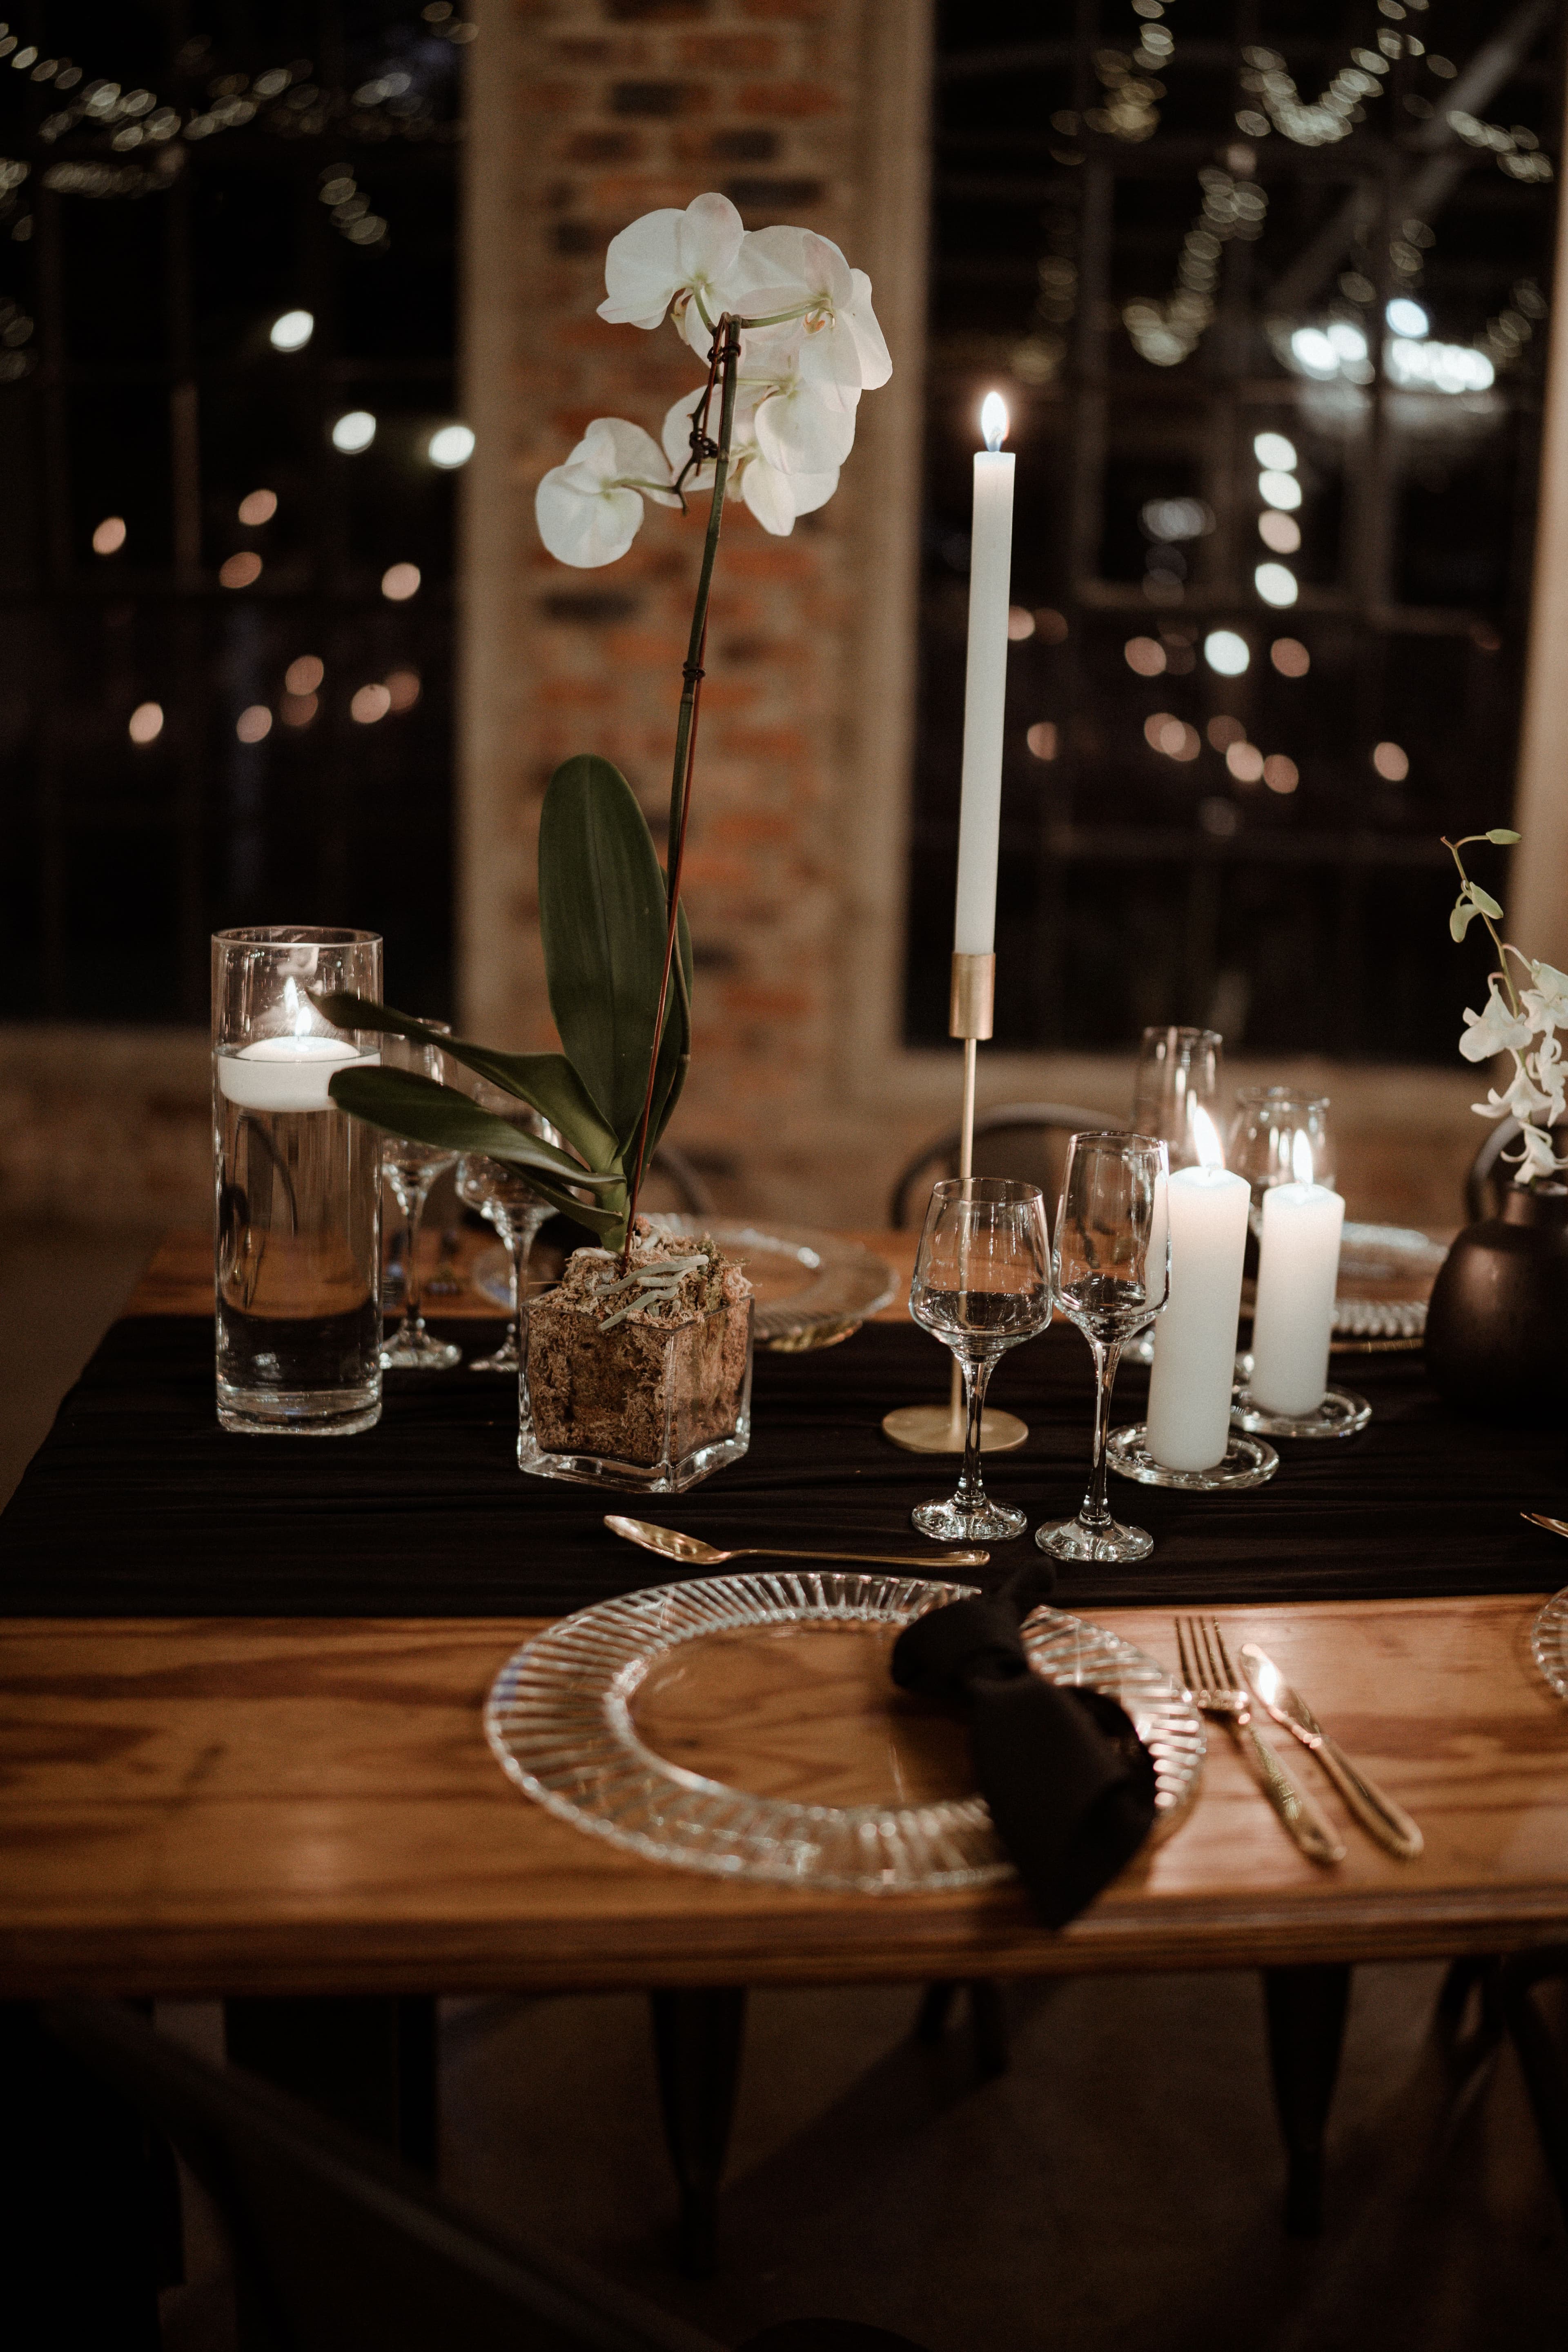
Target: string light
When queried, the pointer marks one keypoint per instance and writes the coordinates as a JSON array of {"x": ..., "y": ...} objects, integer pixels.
[
  {"x": 146, "y": 722},
  {"x": 399, "y": 582},
  {"x": 354, "y": 432},
  {"x": 291, "y": 332},
  {"x": 110, "y": 537}
]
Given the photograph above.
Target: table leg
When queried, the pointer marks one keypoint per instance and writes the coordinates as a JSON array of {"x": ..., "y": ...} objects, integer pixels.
[
  {"x": 987, "y": 2019},
  {"x": 1539, "y": 2053},
  {"x": 368, "y": 2062},
  {"x": 89, "y": 2211},
  {"x": 1306, "y": 2010},
  {"x": 697, "y": 2042}
]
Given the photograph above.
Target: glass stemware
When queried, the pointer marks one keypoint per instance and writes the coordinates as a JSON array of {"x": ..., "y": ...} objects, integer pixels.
[
  {"x": 1275, "y": 1134},
  {"x": 506, "y": 1200},
  {"x": 408, "y": 1170},
  {"x": 1178, "y": 1073},
  {"x": 1110, "y": 1270},
  {"x": 981, "y": 1284}
]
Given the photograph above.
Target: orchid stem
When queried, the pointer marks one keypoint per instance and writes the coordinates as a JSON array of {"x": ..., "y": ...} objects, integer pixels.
[{"x": 724, "y": 362}]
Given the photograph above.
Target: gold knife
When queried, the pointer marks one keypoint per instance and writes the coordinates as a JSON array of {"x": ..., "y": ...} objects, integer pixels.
[{"x": 1380, "y": 1818}]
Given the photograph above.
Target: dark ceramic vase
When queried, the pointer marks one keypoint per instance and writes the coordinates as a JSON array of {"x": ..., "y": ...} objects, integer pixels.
[{"x": 1497, "y": 1329}]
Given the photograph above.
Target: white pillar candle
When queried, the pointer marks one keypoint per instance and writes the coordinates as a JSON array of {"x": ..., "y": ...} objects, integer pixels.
[
  {"x": 1194, "y": 1339},
  {"x": 985, "y": 686},
  {"x": 285, "y": 1073},
  {"x": 1297, "y": 1270}
]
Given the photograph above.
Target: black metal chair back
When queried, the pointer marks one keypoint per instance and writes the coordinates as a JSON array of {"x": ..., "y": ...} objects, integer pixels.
[
  {"x": 1025, "y": 1141},
  {"x": 338, "y": 2249}
]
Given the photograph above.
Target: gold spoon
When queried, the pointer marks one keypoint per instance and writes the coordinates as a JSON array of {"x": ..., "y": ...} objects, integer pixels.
[
  {"x": 1539, "y": 1519},
  {"x": 693, "y": 1553}
]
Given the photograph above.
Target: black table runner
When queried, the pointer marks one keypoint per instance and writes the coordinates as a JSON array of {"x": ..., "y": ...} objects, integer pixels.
[{"x": 138, "y": 1505}]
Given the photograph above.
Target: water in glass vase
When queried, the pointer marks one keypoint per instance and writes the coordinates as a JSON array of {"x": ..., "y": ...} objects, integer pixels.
[{"x": 299, "y": 1311}]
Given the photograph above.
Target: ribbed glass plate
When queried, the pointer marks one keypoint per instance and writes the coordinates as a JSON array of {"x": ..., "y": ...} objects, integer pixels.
[
  {"x": 812, "y": 1288},
  {"x": 1548, "y": 1642},
  {"x": 781, "y": 1682}
]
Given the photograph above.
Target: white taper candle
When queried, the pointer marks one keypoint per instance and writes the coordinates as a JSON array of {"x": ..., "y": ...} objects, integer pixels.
[
  {"x": 1297, "y": 1271},
  {"x": 984, "y": 687}
]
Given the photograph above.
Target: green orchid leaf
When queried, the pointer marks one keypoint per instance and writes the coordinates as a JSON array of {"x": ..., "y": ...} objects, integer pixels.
[
  {"x": 403, "y": 1103},
  {"x": 601, "y": 912},
  {"x": 1463, "y": 916},
  {"x": 675, "y": 1052},
  {"x": 546, "y": 1082},
  {"x": 1503, "y": 836},
  {"x": 1485, "y": 901}
]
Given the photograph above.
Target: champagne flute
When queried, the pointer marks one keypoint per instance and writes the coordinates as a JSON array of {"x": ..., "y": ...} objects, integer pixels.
[
  {"x": 981, "y": 1284},
  {"x": 1178, "y": 1073},
  {"x": 1111, "y": 1274},
  {"x": 409, "y": 1169},
  {"x": 506, "y": 1200}
]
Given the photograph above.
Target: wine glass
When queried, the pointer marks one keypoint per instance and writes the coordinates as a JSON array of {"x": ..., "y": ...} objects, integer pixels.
[
  {"x": 503, "y": 1196},
  {"x": 1280, "y": 1136},
  {"x": 1111, "y": 1272},
  {"x": 1178, "y": 1074},
  {"x": 981, "y": 1284},
  {"x": 409, "y": 1170}
]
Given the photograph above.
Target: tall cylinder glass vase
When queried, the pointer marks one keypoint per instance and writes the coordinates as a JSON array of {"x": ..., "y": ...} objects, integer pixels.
[{"x": 297, "y": 1187}]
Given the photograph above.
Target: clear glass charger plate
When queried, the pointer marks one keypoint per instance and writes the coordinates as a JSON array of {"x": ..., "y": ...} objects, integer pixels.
[
  {"x": 1548, "y": 1642},
  {"x": 813, "y": 1289},
  {"x": 747, "y": 1726}
]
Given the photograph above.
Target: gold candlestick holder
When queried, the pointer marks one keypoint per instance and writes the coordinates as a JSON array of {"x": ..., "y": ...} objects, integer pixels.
[{"x": 936, "y": 1428}]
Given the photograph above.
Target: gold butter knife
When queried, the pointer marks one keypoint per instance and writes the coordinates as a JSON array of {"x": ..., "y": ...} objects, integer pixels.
[{"x": 1378, "y": 1814}]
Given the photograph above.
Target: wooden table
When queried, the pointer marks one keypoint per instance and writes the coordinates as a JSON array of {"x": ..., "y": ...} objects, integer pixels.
[{"x": 245, "y": 1806}]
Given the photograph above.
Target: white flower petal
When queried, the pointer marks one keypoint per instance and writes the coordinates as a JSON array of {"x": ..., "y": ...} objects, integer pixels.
[
  {"x": 584, "y": 527},
  {"x": 616, "y": 449},
  {"x": 810, "y": 491},
  {"x": 769, "y": 495},
  {"x": 642, "y": 272},
  {"x": 876, "y": 364},
  {"x": 829, "y": 354},
  {"x": 708, "y": 240},
  {"x": 799, "y": 434}
]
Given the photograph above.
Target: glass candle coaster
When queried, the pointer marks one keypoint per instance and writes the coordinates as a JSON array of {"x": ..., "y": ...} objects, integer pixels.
[
  {"x": 1247, "y": 1461},
  {"x": 1340, "y": 1414}
]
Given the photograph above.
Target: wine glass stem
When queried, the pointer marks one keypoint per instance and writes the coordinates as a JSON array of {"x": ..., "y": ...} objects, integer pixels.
[
  {"x": 977, "y": 1379},
  {"x": 521, "y": 1234},
  {"x": 412, "y": 1324},
  {"x": 1096, "y": 1512}
]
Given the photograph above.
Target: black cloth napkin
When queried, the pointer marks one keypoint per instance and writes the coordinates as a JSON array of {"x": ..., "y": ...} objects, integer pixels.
[{"x": 1070, "y": 1783}]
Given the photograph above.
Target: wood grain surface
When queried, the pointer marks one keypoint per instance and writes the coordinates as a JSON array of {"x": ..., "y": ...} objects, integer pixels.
[{"x": 210, "y": 1806}]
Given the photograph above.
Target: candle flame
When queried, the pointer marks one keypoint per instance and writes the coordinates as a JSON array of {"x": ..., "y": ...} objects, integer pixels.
[
  {"x": 1301, "y": 1166},
  {"x": 1205, "y": 1139},
  {"x": 994, "y": 420},
  {"x": 295, "y": 1006}
]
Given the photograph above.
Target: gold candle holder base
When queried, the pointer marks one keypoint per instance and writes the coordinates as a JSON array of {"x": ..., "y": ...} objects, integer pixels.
[{"x": 932, "y": 1429}]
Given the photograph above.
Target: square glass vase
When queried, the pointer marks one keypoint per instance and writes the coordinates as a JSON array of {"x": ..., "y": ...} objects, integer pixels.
[{"x": 645, "y": 1410}]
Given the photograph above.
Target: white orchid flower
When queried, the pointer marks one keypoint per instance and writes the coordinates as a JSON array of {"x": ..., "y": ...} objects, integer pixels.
[
  {"x": 777, "y": 499},
  {"x": 797, "y": 431},
  {"x": 1522, "y": 1100},
  {"x": 1547, "y": 1002},
  {"x": 1547, "y": 1068},
  {"x": 590, "y": 510},
  {"x": 1494, "y": 1031},
  {"x": 1535, "y": 1156},
  {"x": 682, "y": 259},
  {"x": 829, "y": 316}
]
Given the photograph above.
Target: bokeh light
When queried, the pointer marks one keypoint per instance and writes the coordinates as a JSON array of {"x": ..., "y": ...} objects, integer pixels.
[
  {"x": 354, "y": 432},
  {"x": 257, "y": 506},
  {"x": 1277, "y": 489},
  {"x": 1289, "y": 657},
  {"x": 1244, "y": 762},
  {"x": 304, "y": 674},
  {"x": 1226, "y": 651},
  {"x": 110, "y": 536},
  {"x": 1281, "y": 532},
  {"x": 1275, "y": 583},
  {"x": 292, "y": 331},
  {"x": 1273, "y": 452},
  {"x": 1392, "y": 762},
  {"x": 1145, "y": 655},
  {"x": 1281, "y": 775},
  {"x": 1173, "y": 736},
  {"x": 453, "y": 444},
  {"x": 402, "y": 689},
  {"x": 399, "y": 582},
  {"x": 1041, "y": 739},
  {"x": 298, "y": 709},
  {"x": 1020, "y": 621},
  {"x": 1223, "y": 732},
  {"x": 239, "y": 570},
  {"x": 146, "y": 723},
  {"x": 252, "y": 725},
  {"x": 1407, "y": 317},
  {"x": 371, "y": 703},
  {"x": 1051, "y": 626}
]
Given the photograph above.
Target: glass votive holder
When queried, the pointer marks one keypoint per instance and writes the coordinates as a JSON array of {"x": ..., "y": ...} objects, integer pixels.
[{"x": 297, "y": 1187}]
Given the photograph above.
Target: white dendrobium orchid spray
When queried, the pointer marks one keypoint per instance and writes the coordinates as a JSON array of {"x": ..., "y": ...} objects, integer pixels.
[
  {"x": 789, "y": 339},
  {"x": 1519, "y": 1020}
]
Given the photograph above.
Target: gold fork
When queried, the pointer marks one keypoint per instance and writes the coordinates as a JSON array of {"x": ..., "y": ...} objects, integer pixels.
[{"x": 1216, "y": 1688}]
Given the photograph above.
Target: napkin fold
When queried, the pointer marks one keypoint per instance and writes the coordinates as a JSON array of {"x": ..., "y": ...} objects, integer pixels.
[{"x": 1070, "y": 1784}]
